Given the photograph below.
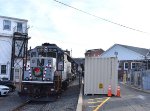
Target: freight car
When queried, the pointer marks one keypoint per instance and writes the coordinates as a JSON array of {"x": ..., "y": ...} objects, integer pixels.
[{"x": 50, "y": 71}]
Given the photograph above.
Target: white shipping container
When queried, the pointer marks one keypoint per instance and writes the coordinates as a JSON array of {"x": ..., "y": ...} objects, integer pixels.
[{"x": 99, "y": 74}]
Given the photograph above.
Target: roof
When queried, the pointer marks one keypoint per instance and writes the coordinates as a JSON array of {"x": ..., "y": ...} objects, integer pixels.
[
  {"x": 142, "y": 51},
  {"x": 14, "y": 18},
  {"x": 95, "y": 50}
]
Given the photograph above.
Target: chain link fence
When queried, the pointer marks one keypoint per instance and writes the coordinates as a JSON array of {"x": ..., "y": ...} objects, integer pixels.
[{"x": 139, "y": 79}]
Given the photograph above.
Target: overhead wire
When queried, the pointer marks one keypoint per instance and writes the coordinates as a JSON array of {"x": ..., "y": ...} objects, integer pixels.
[{"x": 101, "y": 18}]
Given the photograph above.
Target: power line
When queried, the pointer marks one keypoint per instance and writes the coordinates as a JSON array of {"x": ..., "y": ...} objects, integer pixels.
[{"x": 102, "y": 18}]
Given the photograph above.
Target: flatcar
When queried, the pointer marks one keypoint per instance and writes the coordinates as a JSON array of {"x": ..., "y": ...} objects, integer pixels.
[{"x": 49, "y": 71}]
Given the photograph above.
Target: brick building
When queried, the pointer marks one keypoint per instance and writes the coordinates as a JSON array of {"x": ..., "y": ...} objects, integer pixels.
[{"x": 93, "y": 52}]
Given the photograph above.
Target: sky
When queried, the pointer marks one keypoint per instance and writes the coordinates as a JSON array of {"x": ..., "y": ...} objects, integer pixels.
[{"x": 71, "y": 29}]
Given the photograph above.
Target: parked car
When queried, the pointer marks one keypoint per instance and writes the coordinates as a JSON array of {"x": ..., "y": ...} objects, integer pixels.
[
  {"x": 3, "y": 90},
  {"x": 9, "y": 84}
]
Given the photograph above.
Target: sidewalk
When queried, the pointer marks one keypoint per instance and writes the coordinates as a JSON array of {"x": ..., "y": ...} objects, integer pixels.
[{"x": 136, "y": 88}]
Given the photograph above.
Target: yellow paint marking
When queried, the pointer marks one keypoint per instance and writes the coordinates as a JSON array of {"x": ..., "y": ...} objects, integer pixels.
[
  {"x": 92, "y": 106},
  {"x": 101, "y": 104},
  {"x": 90, "y": 99},
  {"x": 99, "y": 101},
  {"x": 98, "y": 98},
  {"x": 92, "y": 102}
]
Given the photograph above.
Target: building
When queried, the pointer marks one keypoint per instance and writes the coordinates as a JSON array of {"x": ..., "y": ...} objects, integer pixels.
[
  {"x": 12, "y": 30},
  {"x": 81, "y": 64},
  {"x": 93, "y": 52},
  {"x": 129, "y": 57},
  {"x": 79, "y": 60}
]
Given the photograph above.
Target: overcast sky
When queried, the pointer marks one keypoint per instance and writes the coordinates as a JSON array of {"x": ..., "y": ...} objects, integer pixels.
[{"x": 53, "y": 22}]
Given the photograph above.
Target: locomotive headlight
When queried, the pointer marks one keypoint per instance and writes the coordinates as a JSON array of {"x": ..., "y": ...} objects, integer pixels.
[
  {"x": 25, "y": 88},
  {"x": 27, "y": 78},
  {"x": 52, "y": 89},
  {"x": 48, "y": 79}
]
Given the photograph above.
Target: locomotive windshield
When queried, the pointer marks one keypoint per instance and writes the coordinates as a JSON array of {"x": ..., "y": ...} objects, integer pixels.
[
  {"x": 40, "y": 62},
  {"x": 47, "y": 54}
]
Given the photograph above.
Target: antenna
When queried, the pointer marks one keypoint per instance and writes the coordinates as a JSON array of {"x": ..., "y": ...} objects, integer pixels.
[{"x": 71, "y": 52}]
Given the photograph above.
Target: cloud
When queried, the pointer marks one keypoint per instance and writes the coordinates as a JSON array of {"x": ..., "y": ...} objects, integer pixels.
[
  {"x": 79, "y": 31},
  {"x": 71, "y": 29}
]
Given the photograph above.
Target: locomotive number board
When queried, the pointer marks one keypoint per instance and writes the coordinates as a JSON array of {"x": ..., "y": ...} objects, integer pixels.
[{"x": 46, "y": 49}]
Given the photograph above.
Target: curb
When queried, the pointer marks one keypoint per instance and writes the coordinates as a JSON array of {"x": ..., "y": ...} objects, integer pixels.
[
  {"x": 135, "y": 88},
  {"x": 80, "y": 100}
]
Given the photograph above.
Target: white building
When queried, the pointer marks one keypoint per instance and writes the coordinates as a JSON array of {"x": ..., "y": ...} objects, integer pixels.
[
  {"x": 129, "y": 57},
  {"x": 124, "y": 52},
  {"x": 8, "y": 26}
]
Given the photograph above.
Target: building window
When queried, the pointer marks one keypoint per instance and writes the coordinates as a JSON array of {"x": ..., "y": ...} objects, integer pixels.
[
  {"x": 133, "y": 65},
  {"x": 19, "y": 27},
  {"x": 33, "y": 54},
  {"x": 3, "y": 69},
  {"x": 119, "y": 66},
  {"x": 7, "y": 25},
  {"x": 16, "y": 73},
  {"x": 126, "y": 66},
  {"x": 148, "y": 65}
]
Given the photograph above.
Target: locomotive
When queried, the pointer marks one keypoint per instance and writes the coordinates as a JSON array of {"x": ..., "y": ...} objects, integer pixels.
[{"x": 49, "y": 72}]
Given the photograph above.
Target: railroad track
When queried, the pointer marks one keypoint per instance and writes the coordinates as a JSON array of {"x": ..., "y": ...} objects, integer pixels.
[
  {"x": 67, "y": 101},
  {"x": 31, "y": 105},
  {"x": 21, "y": 105},
  {"x": 37, "y": 103}
]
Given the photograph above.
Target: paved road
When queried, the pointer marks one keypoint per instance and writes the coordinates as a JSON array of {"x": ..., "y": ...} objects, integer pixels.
[
  {"x": 91, "y": 102},
  {"x": 130, "y": 100},
  {"x": 10, "y": 102}
]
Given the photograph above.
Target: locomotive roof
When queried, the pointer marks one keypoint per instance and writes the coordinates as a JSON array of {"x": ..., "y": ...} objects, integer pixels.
[
  {"x": 48, "y": 45},
  {"x": 54, "y": 46}
]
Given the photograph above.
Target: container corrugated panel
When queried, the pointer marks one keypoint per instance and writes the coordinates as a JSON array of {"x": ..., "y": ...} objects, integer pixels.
[{"x": 99, "y": 74}]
